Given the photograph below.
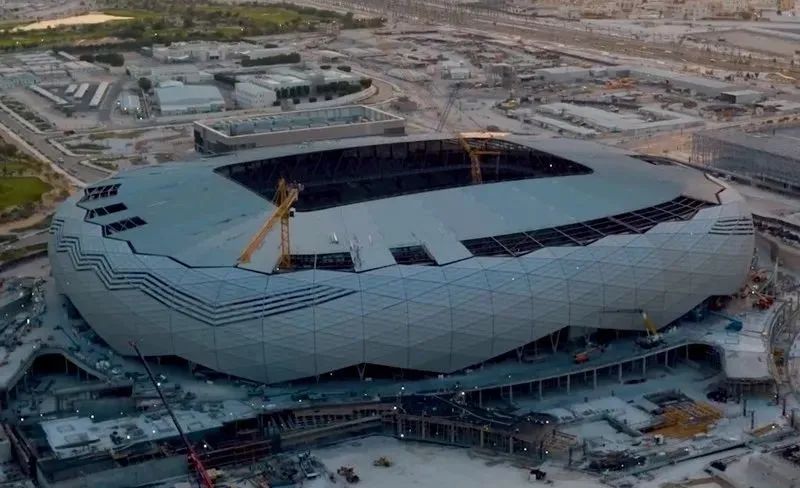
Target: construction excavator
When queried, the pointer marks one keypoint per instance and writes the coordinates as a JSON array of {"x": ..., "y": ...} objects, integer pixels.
[
  {"x": 653, "y": 337},
  {"x": 286, "y": 195}
]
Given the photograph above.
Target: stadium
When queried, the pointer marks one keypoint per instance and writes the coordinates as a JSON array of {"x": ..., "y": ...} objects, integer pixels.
[{"x": 398, "y": 261}]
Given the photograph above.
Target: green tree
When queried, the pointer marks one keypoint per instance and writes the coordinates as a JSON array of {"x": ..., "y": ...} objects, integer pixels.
[{"x": 145, "y": 84}]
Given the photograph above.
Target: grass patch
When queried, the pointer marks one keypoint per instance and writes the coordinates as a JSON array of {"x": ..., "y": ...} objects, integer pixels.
[
  {"x": 11, "y": 168},
  {"x": 99, "y": 136},
  {"x": 183, "y": 21},
  {"x": 106, "y": 164},
  {"x": 21, "y": 190},
  {"x": 135, "y": 14},
  {"x": 88, "y": 146},
  {"x": 12, "y": 254}
]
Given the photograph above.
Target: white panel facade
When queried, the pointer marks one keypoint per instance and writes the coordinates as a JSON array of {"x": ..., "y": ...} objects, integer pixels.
[{"x": 274, "y": 328}]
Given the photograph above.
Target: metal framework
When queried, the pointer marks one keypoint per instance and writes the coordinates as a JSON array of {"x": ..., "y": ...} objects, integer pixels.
[
  {"x": 97, "y": 192},
  {"x": 729, "y": 153},
  {"x": 584, "y": 233},
  {"x": 122, "y": 225},
  {"x": 285, "y": 196}
]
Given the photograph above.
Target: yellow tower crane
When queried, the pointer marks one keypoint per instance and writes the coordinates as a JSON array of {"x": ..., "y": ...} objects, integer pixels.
[
  {"x": 475, "y": 154},
  {"x": 464, "y": 139},
  {"x": 285, "y": 196}
]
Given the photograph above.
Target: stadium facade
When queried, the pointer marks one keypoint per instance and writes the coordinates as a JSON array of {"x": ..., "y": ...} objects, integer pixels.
[{"x": 398, "y": 260}]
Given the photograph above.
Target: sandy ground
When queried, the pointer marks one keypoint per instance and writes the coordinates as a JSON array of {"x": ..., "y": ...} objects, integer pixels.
[
  {"x": 76, "y": 20},
  {"x": 427, "y": 465}
]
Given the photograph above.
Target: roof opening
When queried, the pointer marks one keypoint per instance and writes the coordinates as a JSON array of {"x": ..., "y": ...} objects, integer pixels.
[{"x": 338, "y": 177}]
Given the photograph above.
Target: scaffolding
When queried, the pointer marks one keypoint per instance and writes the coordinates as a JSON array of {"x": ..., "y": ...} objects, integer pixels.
[{"x": 767, "y": 158}]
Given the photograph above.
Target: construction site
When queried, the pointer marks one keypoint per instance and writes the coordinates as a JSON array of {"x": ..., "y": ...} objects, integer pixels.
[
  {"x": 474, "y": 246},
  {"x": 82, "y": 415}
]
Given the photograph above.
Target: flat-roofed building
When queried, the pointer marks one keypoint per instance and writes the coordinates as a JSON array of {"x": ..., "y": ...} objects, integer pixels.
[
  {"x": 231, "y": 134},
  {"x": 189, "y": 99},
  {"x": 249, "y": 95}
]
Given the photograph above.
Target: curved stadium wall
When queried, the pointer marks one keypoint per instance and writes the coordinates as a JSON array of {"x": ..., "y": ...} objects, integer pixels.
[{"x": 417, "y": 314}]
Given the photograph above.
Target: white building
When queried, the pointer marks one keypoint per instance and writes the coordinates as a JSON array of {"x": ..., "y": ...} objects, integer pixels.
[
  {"x": 277, "y": 81},
  {"x": 15, "y": 77},
  {"x": 189, "y": 99},
  {"x": 200, "y": 51},
  {"x": 259, "y": 53},
  {"x": 249, "y": 95},
  {"x": 185, "y": 73}
]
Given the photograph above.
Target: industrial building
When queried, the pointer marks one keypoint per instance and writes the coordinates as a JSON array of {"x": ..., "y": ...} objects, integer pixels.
[
  {"x": 397, "y": 260},
  {"x": 185, "y": 73},
  {"x": 768, "y": 157},
  {"x": 280, "y": 82},
  {"x": 231, "y": 134},
  {"x": 129, "y": 104},
  {"x": 287, "y": 79},
  {"x": 200, "y": 51},
  {"x": 249, "y": 95},
  {"x": 188, "y": 99},
  {"x": 698, "y": 85},
  {"x": 742, "y": 97},
  {"x": 641, "y": 121},
  {"x": 15, "y": 77}
]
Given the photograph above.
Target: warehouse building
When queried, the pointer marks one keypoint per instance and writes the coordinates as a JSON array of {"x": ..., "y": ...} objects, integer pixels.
[
  {"x": 200, "y": 51},
  {"x": 249, "y": 95},
  {"x": 230, "y": 134},
  {"x": 188, "y": 99},
  {"x": 185, "y": 73}
]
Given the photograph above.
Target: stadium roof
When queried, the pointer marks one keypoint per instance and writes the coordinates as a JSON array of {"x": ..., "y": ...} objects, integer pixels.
[{"x": 201, "y": 218}]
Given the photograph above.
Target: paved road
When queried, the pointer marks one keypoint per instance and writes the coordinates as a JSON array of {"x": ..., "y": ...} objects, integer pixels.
[
  {"x": 109, "y": 101},
  {"x": 40, "y": 143}
]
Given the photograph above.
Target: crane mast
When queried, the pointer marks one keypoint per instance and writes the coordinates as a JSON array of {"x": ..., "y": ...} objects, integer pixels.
[
  {"x": 285, "y": 196},
  {"x": 203, "y": 478}
]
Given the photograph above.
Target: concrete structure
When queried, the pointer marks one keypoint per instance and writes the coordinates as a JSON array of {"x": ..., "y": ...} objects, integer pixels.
[
  {"x": 201, "y": 51},
  {"x": 99, "y": 93},
  {"x": 330, "y": 56},
  {"x": 644, "y": 120},
  {"x": 260, "y": 53},
  {"x": 455, "y": 70},
  {"x": 249, "y": 95},
  {"x": 564, "y": 74},
  {"x": 742, "y": 97},
  {"x": 185, "y": 73},
  {"x": 238, "y": 133},
  {"x": 48, "y": 95},
  {"x": 696, "y": 84},
  {"x": 15, "y": 77},
  {"x": 768, "y": 157},
  {"x": 278, "y": 82},
  {"x": 188, "y": 99},
  {"x": 398, "y": 260}
]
